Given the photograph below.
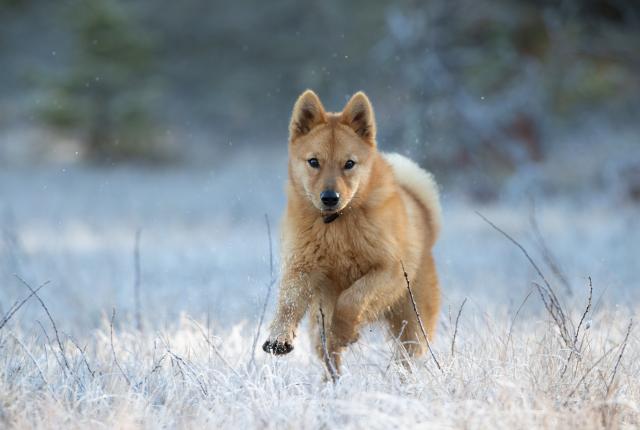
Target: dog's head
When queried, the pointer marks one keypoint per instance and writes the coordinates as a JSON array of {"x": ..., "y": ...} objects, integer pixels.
[{"x": 331, "y": 154}]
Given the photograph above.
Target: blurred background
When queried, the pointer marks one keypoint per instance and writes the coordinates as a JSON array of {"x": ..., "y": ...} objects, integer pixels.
[{"x": 171, "y": 117}]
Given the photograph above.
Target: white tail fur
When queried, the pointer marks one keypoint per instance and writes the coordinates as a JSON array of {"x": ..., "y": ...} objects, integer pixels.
[{"x": 421, "y": 184}]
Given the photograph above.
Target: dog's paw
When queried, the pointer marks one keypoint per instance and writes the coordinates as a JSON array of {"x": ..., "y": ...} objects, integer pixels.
[
  {"x": 277, "y": 347},
  {"x": 354, "y": 338},
  {"x": 337, "y": 344},
  {"x": 343, "y": 335}
]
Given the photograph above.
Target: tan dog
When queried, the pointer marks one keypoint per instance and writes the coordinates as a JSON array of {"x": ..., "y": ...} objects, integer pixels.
[{"x": 354, "y": 217}]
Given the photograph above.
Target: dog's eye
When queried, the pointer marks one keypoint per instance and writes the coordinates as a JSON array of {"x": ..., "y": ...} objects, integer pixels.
[
  {"x": 313, "y": 162},
  {"x": 349, "y": 164}
]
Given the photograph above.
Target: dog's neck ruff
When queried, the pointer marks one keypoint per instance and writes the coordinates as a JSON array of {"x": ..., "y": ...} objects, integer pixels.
[{"x": 331, "y": 218}]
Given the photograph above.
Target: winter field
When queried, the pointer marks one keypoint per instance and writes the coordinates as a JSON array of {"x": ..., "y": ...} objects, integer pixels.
[{"x": 84, "y": 353}]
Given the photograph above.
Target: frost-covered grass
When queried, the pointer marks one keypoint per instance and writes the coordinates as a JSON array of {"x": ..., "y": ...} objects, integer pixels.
[
  {"x": 188, "y": 375},
  {"x": 204, "y": 262}
]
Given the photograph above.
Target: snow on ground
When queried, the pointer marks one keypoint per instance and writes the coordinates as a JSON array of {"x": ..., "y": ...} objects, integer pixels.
[{"x": 204, "y": 255}]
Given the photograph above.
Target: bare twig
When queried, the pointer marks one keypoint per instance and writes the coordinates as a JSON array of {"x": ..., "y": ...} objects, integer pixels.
[
  {"x": 35, "y": 362},
  {"x": 137, "y": 280},
  {"x": 597, "y": 362},
  {"x": 213, "y": 347},
  {"x": 180, "y": 362},
  {"x": 272, "y": 281},
  {"x": 157, "y": 365},
  {"x": 624, "y": 346},
  {"x": 331, "y": 368},
  {"x": 191, "y": 371},
  {"x": 524, "y": 251},
  {"x": 176, "y": 363},
  {"x": 577, "y": 346},
  {"x": 547, "y": 293},
  {"x": 586, "y": 311},
  {"x": 400, "y": 349},
  {"x": 64, "y": 364},
  {"x": 513, "y": 320},
  {"x": 113, "y": 350},
  {"x": 53, "y": 323},
  {"x": 549, "y": 258},
  {"x": 556, "y": 313},
  {"x": 15, "y": 308},
  {"x": 50, "y": 344},
  {"x": 455, "y": 331},
  {"x": 83, "y": 355},
  {"x": 415, "y": 309}
]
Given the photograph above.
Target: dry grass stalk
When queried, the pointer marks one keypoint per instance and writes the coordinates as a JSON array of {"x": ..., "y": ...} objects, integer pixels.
[
  {"x": 415, "y": 309},
  {"x": 137, "y": 280},
  {"x": 546, "y": 291},
  {"x": 455, "y": 331},
  {"x": 16, "y": 307},
  {"x": 547, "y": 255},
  {"x": 331, "y": 368},
  {"x": 622, "y": 349},
  {"x": 570, "y": 336},
  {"x": 515, "y": 316},
  {"x": 53, "y": 323},
  {"x": 113, "y": 350},
  {"x": 272, "y": 282}
]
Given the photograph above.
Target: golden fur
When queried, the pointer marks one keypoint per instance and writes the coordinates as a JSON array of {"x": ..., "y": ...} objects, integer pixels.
[{"x": 350, "y": 268}]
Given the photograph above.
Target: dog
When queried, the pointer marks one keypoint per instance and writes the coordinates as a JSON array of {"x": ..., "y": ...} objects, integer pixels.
[{"x": 359, "y": 227}]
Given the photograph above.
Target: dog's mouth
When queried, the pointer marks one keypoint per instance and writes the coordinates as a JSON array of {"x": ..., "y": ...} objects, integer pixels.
[
  {"x": 328, "y": 219},
  {"x": 329, "y": 215}
]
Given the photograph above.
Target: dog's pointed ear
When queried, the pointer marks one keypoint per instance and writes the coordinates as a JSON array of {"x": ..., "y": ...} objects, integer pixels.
[
  {"x": 308, "y": 112},
  {"x": 358, "y": 114}
]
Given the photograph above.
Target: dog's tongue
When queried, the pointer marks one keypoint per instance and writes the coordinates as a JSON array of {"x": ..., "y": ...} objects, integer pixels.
[{"x": 331, "y": 218}]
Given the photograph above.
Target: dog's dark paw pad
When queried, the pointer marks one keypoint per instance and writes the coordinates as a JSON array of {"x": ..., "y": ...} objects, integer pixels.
[{"x": 276, "y": 347}]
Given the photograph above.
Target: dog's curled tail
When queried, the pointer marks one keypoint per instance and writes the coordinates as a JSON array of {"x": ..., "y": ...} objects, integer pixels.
[{"x": 422, "y": 185}]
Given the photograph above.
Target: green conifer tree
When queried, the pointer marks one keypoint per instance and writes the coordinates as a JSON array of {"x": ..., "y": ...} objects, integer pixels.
[{"x": 106, "y": 93}]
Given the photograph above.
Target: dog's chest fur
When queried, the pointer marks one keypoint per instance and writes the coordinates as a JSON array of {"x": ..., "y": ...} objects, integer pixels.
[{"x": 344, "y": 250}]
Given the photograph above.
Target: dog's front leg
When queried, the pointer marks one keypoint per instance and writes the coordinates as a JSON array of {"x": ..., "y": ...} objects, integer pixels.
[
  {"x": 295, "y": 292},
  {"x": 365, "y": 299}
]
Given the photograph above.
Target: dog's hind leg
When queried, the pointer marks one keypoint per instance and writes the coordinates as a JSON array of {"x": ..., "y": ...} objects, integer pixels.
[
  {"x": 403, "y": 320},
  {"x": 405, "y": 330},
  {"x": 427, "y": 297}
]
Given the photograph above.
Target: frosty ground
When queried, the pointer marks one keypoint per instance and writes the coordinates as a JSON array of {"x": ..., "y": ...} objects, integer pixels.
[{"x": 204, "y": 271}]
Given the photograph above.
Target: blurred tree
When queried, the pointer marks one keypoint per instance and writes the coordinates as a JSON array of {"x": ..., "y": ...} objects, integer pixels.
[{"x": 106, "y": 93}]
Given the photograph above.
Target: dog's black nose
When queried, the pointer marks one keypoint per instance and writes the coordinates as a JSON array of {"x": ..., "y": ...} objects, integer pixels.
[{"x": 329, "y": 197}]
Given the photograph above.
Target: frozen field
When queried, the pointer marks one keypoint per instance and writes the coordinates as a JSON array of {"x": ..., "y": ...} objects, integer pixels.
[{"x": 204, "y": 263}]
